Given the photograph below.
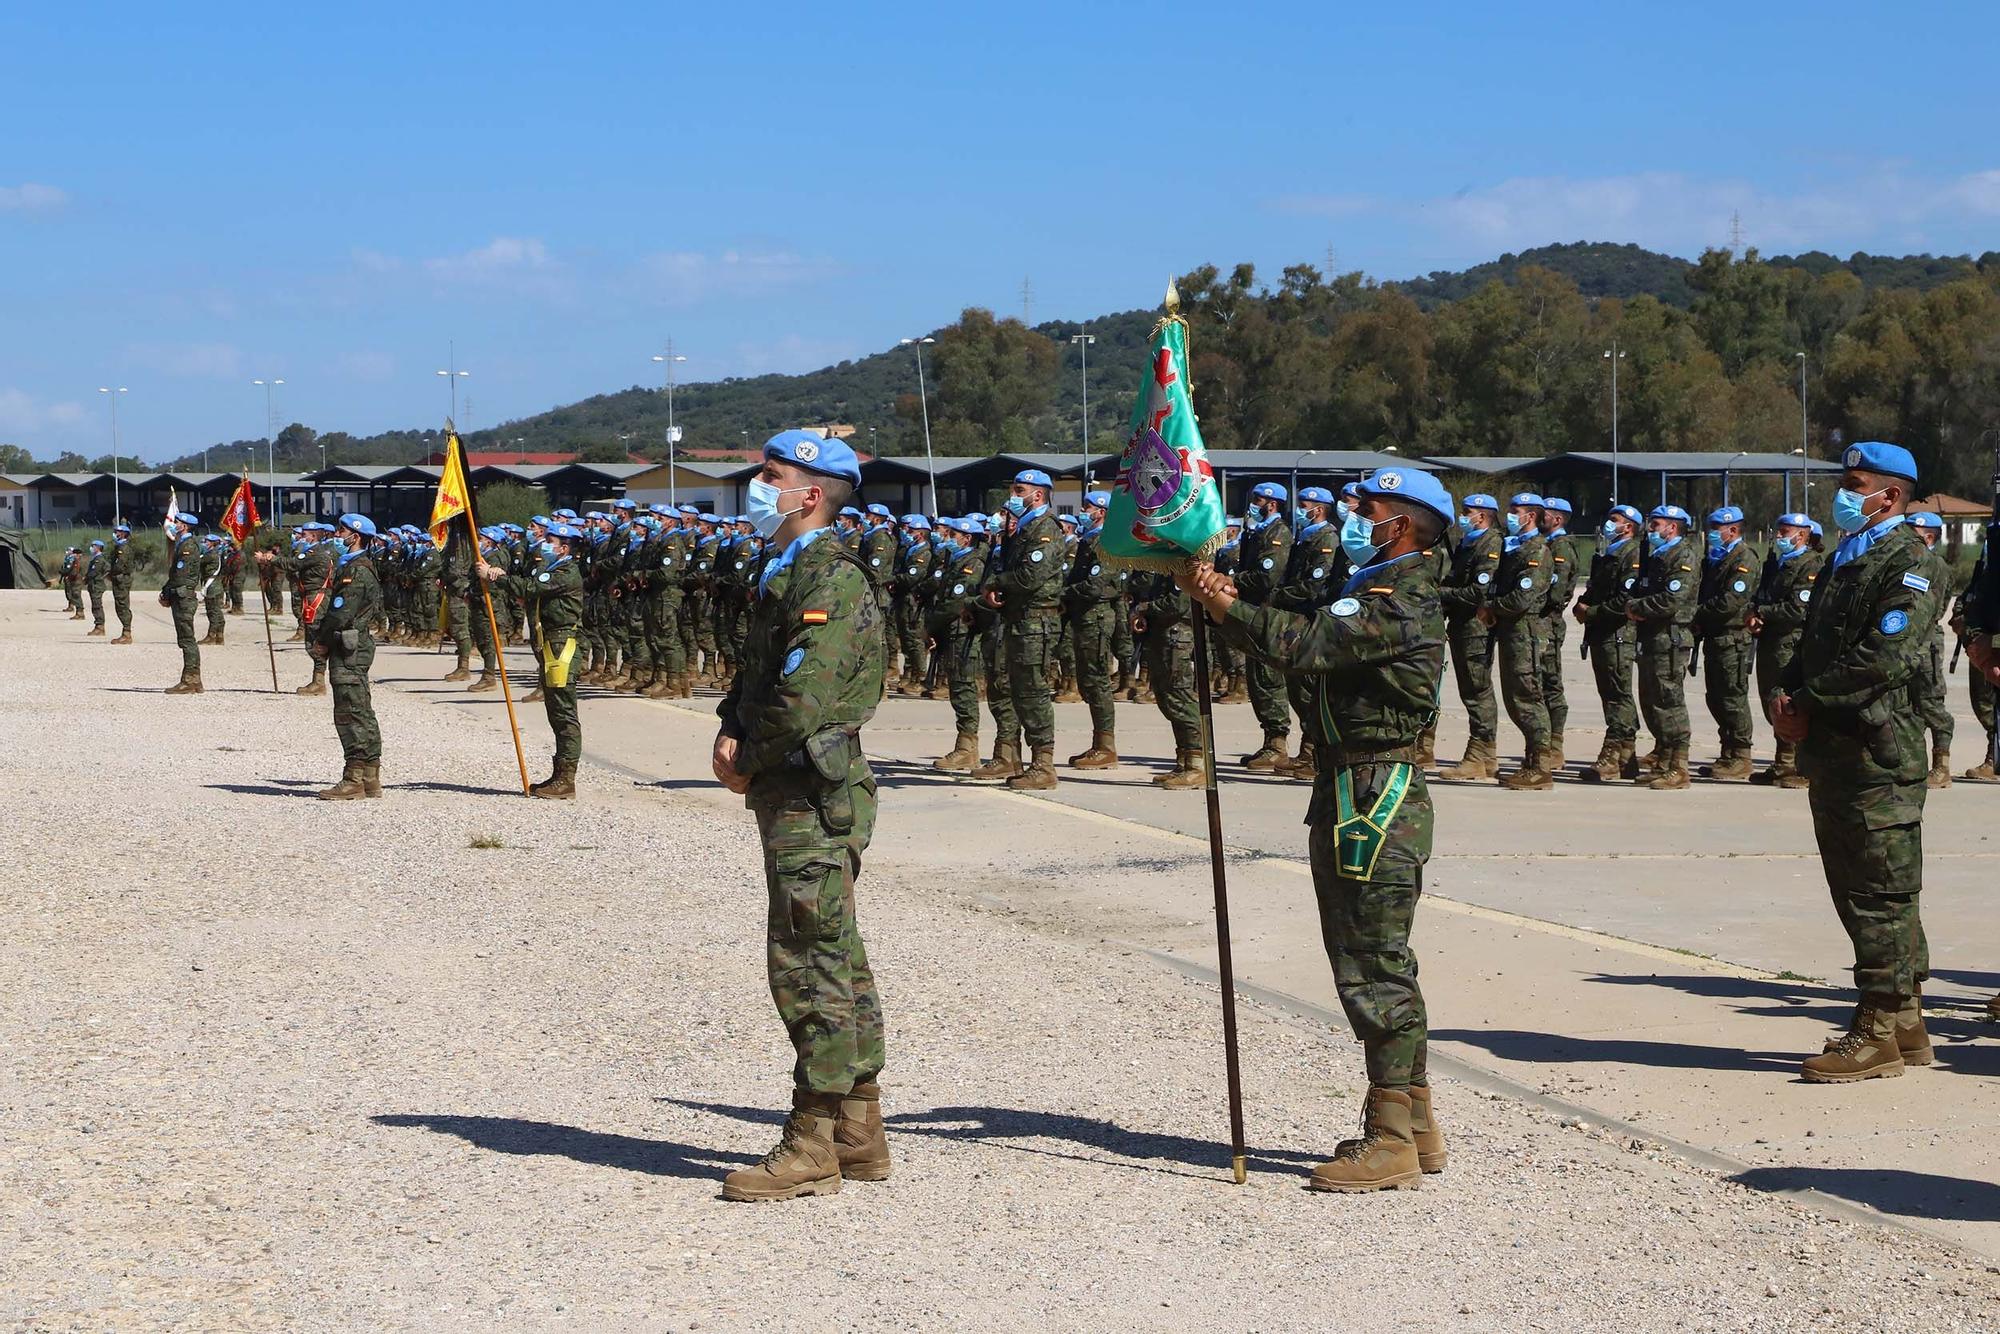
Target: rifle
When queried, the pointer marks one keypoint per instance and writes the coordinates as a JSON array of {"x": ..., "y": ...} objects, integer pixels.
[{"x": 931, "y": 671}]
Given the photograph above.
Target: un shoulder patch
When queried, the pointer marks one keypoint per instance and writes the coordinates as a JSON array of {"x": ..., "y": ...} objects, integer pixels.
[
  {"x": 1037, "y": 556},
  {"x": 1630, "y": 582},
  {"x": 958, "y": 590},
  {"x": 813, "y": 617},
  {"x": 1527, "y": 581},
  {"x": 1267, "y": 562},
  {"x": 1345, "y": 607},
  {"x": 1918, "y": 582},
  {"x": 1739, "y": 585},
  {"x": 1805, "y": 595},
  {"x": 1673, "y": 585},
  {"x": 1319, "y": 572},
  {"x": 544, "y": 578},
  {"x": 792, "y": 661},
  {"x": 1095, "y": 570},
  {"x": 1485, "y": 577},
  {"x": 1894, "y": 622},
  {"x": 340, "y": 602}
]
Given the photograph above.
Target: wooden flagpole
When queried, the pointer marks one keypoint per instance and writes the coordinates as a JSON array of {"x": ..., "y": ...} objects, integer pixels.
[
  {"x": 486, "y": 595},
  {"x": 1225, "y": 964}
]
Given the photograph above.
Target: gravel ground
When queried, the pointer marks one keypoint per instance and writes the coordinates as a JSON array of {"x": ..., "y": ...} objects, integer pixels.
[{"x": 268, "y": 1062}]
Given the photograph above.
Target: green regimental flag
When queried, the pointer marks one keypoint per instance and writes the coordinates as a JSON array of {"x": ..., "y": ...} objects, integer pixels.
[{"x": 1166, "y": 509}]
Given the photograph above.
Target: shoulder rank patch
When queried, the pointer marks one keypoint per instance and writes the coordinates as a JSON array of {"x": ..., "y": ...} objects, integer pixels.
[
  {"x": 813, "y": 617},
  {"x": 1918, "y": 582},
  {"x": 1381, "y": 590}
]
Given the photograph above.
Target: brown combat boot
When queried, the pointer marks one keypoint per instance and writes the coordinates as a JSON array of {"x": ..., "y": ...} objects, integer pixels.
[
  {"x": 686, "y": 690},
  {"x": 371, "y": 779},
  {"x": 1553, "y": 759},
  {"x": 1272, "y": 754},
  {"x": 805, "y": 1161},
  {"x": 95, "y": 631},
  {"x": 1384, "y": 1158},
  {"x": 858, "y": 1140},
  {"x": 532, "y": 696},
  {"x": 1103, "y": 753},
  {"x": 1734, "y": 763},
  {"x": 1993, "y": 1010},
  {"x": 1427, "y": 748},
  {"x": 561, "y": 785},
  {"x": 295, "y": 637},
  {"x": 660, "y": 689},
  {"x": 1187, "y": 775},
  {"x": 123, "y": 638},
  {"x": 1648, "y": 762},
  {"x": 1868, "y": 1050},
  {"x": 1671, "y": 775},
  {"x": 1983, "y": 771},
  {"x": 189, "y": 684},
  {"x": 1940, "y": 774},
  {"x": 462, "y": 672},
  {"x": 1480, "y": 762},
  {"x": 487, "y": 681},
  {"x": 316, "y": 686},
  {"x": 962, "y": 756},
  {"x": 1304, "y": 766},
  {"x": 1041, "y": 772},
  {"x": 1006, "y": 761},
  {"x": 348, "y": 788},
  {"x": 1532, "y": 776},
  {"x": 1605, "y": 767},
  {"x": 1237, "y": 693},
  {"x": 1424, "y": 1131}
]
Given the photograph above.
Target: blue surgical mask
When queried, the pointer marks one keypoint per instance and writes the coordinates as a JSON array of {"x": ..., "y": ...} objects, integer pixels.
[
  {"x": 1715, "y": 544},
  {"x": 1513, "y": 524},
  {"x": 1017, "y": 505},
  {"x": 1850, "y": 509},
  {"x": 1342, "y": 510},
  {"x": 761, "y": 502},
  {"x": 1658, "y": 542},
  {"x": 1357, "y": 539},
  {"x": 1298, "y": 516},
  {"x": 1610, "y": 531}
]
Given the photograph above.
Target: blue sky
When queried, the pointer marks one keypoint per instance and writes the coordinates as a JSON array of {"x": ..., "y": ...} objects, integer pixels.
[{"x": 194, "y": 196}]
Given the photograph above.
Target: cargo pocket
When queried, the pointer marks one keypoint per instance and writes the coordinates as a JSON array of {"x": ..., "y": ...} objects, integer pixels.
[{"x": 812, "y": 895}]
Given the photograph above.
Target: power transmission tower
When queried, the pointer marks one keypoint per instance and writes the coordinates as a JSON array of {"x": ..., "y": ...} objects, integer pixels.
[
  {"x": 1027, "y": 301},
  {"x": 1736, "y": 232},
  {"x": 1330, "y": 270}
]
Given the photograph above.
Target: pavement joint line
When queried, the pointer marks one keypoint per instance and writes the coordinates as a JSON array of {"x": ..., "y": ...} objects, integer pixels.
[{"x": 1317, "y": 1018}]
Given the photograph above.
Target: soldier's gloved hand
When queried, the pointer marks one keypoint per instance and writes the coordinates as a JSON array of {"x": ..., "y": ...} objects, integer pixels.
[{"x": 1788, "y": 720}]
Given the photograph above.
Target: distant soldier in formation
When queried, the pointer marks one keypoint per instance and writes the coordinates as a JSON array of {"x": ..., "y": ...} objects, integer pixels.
[
  {"x": 467, "y": 630},
  {"x": 1468, "y": 585},
  {"x": 1931, "y": 700},
  {"x": 214, "y": 585},
  {"x": 1777, "y": 621},
  {"x": 1662, "y": 605},
  {"x": 1027, "y": 593},
  {"x": 1512, "y": 614},
  {"x": 181, "y": 593},
  {"x": 232, "y": 576},
  {"x": 959, "y": 573},
  {"x": 1610, "y": 639},
  {"x": 1006, "y": 758},
  {"x": 1163, "y": 616},
  {"x": 1263, "y": 557},
  {"x": 1564, "y": 571},
  {"x": 313, "y": 561},
  {"x": 1721, "y": 627},
  {"x": 96, "y": 567},
  {"x": 342, "y": 634},
  {"x": 120, "y": 578},
  {"x": 72, "y": 581},
  {"x": 909, "y": 594},
  {"x": 1226, "y": 664},
  {"x": 551, "y": 584},
  {"x": 1982, "y": 688},
  {"x": 1316, "y": 568},
  {"x": 1093, "y": 602}
]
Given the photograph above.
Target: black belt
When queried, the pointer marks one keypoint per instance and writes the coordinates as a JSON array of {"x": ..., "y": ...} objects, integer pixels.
[{"x": 1329, "y": 758}]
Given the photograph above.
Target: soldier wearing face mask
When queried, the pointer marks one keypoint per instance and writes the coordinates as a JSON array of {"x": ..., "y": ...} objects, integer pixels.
[
  {"x": 1777, "y": 619},
  {"x": 1610, "y": 640}
]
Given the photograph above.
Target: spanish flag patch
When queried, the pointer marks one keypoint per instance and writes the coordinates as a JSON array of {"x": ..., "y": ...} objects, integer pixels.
[{"x": 813, "y": 617}]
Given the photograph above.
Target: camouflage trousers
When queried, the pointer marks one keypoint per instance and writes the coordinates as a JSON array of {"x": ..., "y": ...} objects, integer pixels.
[
  {"x": 1871, "y": 846},
  {"x": 911, "y": 615},
  {"x": 121, "y": 602},
  {"x": 1520, "y": 645},
  {"x": 1170, "y": 668},
  {"x": 216, "y": 603},
  {"x": 469, "y": 630},
  {"x": 1725, "y": 679},
  {"x": 961, "y": 668},
  {"x": 1031, "y": 645},
  {"x": 1367, "y": 890},
  {"x": 353, "y": 714},
  {"x": 1555, "y": 697},
  {"x": 1472, "y": 672},
  {"x": 820, "y": 979},
  {"x": 97, "y": 606},
  {"x": 1269, "y": 701},
  {"x": 1930, "y": 695},
  {"x": 184, "y": 633},
  {"x": 1095, "y": 632},
  {"x": 1611, "y": 667},
  {"x": 1775, "y": 650},
  {"x": 999, "y": 690},
  {"x": 72, "y": 597},
  {"x": 1982, "y": 707},
  {"x": 1663, "y": 684}
]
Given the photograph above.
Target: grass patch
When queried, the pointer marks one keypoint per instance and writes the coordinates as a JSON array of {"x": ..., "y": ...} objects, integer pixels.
[{"x": 486, "y": 841}]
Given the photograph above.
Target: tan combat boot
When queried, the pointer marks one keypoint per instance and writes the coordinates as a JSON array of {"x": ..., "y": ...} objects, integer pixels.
[
  {"x": 660, "y": 689},
  {"x": 1532, "y": 776},
  {"x": 487, "y": 681},
  {"x": 1868, "y": 1050},
  {"x": 1237, "y": 693},
  {"x": 95, "y": 631},
  {"x": 1733, "y": 763},
  {"x": 1041, "y": 774},
  {"x": 348, "y": 788},
  {"x": 962, "y": 756},
  {"x": 686, "y": 690},
  {"x": 561, "y": 785},
  {"x": 1605, "y": 768},
  {"x": 1648, "y": 762},
  {"x": 371, "y": 779},
  {"x": 1479, "y": 762},
  {"x": 1427, "y": 748},
  {"x": 1006, "y": 761},
  {"x": 124, "y": 637},
  {"x": 1671, "y": 774},
  {"x": 1983, "y": 771},
  {"x": 1940, "y": 774},
  {"x": 1304, "y": 766},
  {"x": 189, "y": 684},
  {"x": 1780, "y": 765},
  {"x": 1187, "y": 775},
  {"x": 805, "y": 1161},
  {"x": 858, "y": 1140},
  {"x": 1384, "y": 1158},
  {"x": 1273, "y": 753},
  {"x": 1424, "y": 1131},
  {"x": 462, "y": 672},
  {"x": 1553, "y": 759},
  {"x": 1993, "y": 1010},
  {"x": 316, "y": 686},
  {"x": 1103, "y": 753},
  {"x": 532, "y": 696}
]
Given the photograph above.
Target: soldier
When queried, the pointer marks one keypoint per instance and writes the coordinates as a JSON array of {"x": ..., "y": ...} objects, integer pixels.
[
  {"x": 1611, "y": 640},
  {"x": 1721, "y": 623},
  {"x": 313, "y": 564},
  {"x": 1930, "y": 684},
  {"x": 1662, "y": 605},
  {"x": 1372, "y": 665},
  {"x": 909, "y": 589},
  {"x": 1467, "y": 586},
  {"x": 232, "y": 577},
  {"x": 1162, "y": 616},
  {"x": 1564, "y": 570},
  {"x": 1849, "y": 700},
  {"x": 790, "y": 743},
  {"x": 466, "y": 629},
  {"x": 1262, "y": 560},
  {"x": 506, "y": 555},
  {"x": 1093, "y": 600},
  {"x": 119, "y": 574},
  {"x": 551, "y": 584},
  {"x": 1777, "y": 619},
  {"x": 987, "y": 624},
  {"x": 95, "y": 568},
  {"x": 1317, "y": 568},
  {"x": 180, "y": 592},
  {"x": 214, "y": 585},
  {"x": 878, "y": 550},
  {"x": 72, "y": 582},
  {"x": 699, "y": 601},
  {"x": 1513, "y": 613},
  {"x": 1027, "y": 593},
  {"x": 342, "y": 636},
  {"x": 1981, "y": 684},
  {"x": 958, "y": 571},
  {"x": 1226, "y": 665}
]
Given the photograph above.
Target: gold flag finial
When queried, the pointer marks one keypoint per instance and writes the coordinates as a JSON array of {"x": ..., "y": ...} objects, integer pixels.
[{"x": 1173, "y": 298}]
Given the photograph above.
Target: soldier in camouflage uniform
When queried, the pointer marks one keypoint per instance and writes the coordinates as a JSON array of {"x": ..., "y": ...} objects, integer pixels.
[
  {"x": 120, "y": 577},
  {"x": 959, "y": 571},
  {"x": 1721, "y": 626},
  {"x": 1982, "y": 688},
  {"x": 1027, "y": 592},
  {"x": 1467, "y": 586},
  {"x": 1564, "y": 570},
  {"x": 1093, "y": 601},
  {"x": 72, "y": 581},
  {"x": 1262, "y": 560},
  {"x": 232, "y": 576},
  {"x": 467, "y": 630},
  {"x": 1226, "y": 663},
  {"x": 790, "y": 743},
  {"x": 214, "y": 592},
  {"x": 1317, "y": 568},
  {"x": 1372, "y": 663},
  {"x": 550, "y": 582},
  {"x": 1850, "y": 701},
  {"x": 700, "y": 598},
  {"x": 1931, "y": 700},
  {"x": 878, "y": 549},
  {"x": 1162, "y": 617},
  {"x": 180, "y": 592},
  {"x": 341, "y": 634},
  {"x": 94, "y": 570},
  {"x": 1777, "y": 620},
  {"x": 1662, "y": 605},
  {"x": 1006, "y": 759},
  {"x": 316, "y": 554},
  {"x": 1513, "y": 615},
  {"x": 910, "y": 589},
  {"x": 1610, "y": 639}
]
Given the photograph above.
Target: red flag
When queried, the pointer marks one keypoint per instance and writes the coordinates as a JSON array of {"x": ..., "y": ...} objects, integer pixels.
[{"x": 239, "y": 520}]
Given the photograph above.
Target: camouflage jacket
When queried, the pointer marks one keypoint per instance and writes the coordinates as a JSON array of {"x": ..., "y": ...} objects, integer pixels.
[
  {"x": 121, "y": 565},
  {"x": 1262, "y": 559},
  {"x": 1030, "y": 574},
  {"x": 1470, "y": 580},
  {"x": 354, "y": 600},
  {"x": 1614, "y": 570},
  {"x": 1317, "y": 567},
  {"x": 1520, "y": 588},
  {"x": 1089, "y": 584},
  {"x": 1563, "y": 574},
  {"x": 812, "y": 664},
  {"x": 1158, "y": 598},
  {"x": 1369, "y": 666},
  {"x": 556, "y": 591},
  {"x": 1859, "y": 669},
  {"x": 878, "y": 557},
  {"x": 1785, "y": 591},
  {"x": 94, "y": 570},
  {"x": 1726, "y": 590},
  {"x": 183, "y": 570},
  {"x": 957, "y": 580},
  {"x": 1667, "y": 589}
]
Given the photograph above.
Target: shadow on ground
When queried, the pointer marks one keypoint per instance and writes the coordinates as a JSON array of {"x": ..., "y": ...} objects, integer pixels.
[
  {"x": 1909, "y": 1194},
  {"x": 629, "y": 1153}
]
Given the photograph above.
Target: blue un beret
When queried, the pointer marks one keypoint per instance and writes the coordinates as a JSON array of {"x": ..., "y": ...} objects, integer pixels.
[
  {"x": 565, "y": 531},
  {"x": 1926, "y": 519},
  {"x": 1627, "y": 512},
  {"x": 1033, "y": 477},
  {"x": 849, "y": 512},
  {"x": 1526, "y": 498},
  {"x": 1817, "y": 531},
  {"x": 1556, "y": 503},
  {"x": 1794, "y": 521},
  {"x": 1726, "y": 514},
  {"x": 1419, "y": 488},
  {"x": 1319, "y": 495},
  {"x": 880, "y": 511},
  {"x": 541, "y": 519},
  {"x": 1267, "y": 491},
  {"x": 358, "y": 523},
  {"x": 1879, "y": 456},
  {"x": 1670, "y": 512},
  {"x": 815, "y": 453},
  {"x": 915, "y": 521},
  {"x": 1102, "y": 499},
  {"x": 1479, "y": 500}
]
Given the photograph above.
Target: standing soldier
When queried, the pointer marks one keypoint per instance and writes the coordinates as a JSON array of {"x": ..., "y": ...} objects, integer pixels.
[
  {"x": 1721, "y": 624},
  {"x": 1094, "y": 599},
  {"x": 121, "y": 580},
  {"x": 790, "y": 744},
  {"x": 1849, "y": 700},
  {"x": 232, "y": 577},
  {"x": 987, "y": 623},
  {"x": 701, "y": 598},
  {"x": 1062, "y": 668},
  {"x": 214, "y": 585},
  {"x": 1028, "y": 595},
  {"x": 466, "y": 629},
  {"x": 1513, "y": 613},
  {"x": 641, "y": 596},
  {"x": 1609, "y": 639},
  {"x": 911, "y": 590},
  {"x": 94, "y": 572},
  {"x": 550, "y": 583},
  {"x": 72, "y": 582},
  {"x": 1162, "y": 614},
  {"x": 1564, "y": 570},
  {"x": 1466, "y": 588},
  {"x": 1261, "y": 562},
  {"x": 1662, "y": 605},
  {"x": 313, "y": 565},
  {"x": 341, "y": 634},
  {"x": 1931, "y": 700},
  {"x": 180, "y": 592},
  {"x": 1981, "y": 686},
  {"x": 1227, "y": 667},
  {"x": 1777, "y": 619},
  {"x": 1372, "y": 665},
  {"x": 961, "y": 568},
  {"x": 878, "y": 558},
  {"x": 1317, "y": 568}
]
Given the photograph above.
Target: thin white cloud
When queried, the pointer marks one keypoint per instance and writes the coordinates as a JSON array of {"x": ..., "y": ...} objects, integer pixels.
[
  {"x": 195, "y": 361},
  {"x": 502, "y": 256},
  {"x": 22, "y": 414},
  {"x": 30, "y": 197},
  {"x": 793, "y": 354},
  {"x": 686, "y": 276},
  {"x": 368, "y": 367}
]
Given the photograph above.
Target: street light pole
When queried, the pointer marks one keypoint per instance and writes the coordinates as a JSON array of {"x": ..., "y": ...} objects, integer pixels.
[
  {"x": 673, "y": 432},
  {"x": 1293, "y": 500},
  {"x": 1083, "y": 342},
  {"x": 270, "y": 450},
  {"x": 1726, "y": 470},
  {"x": 452, "y": 377},
  {"x": 1613, "y": 355},
  {"x": 1805, "y": 497},
  {"x": 117, "y": 513},
  {"x": 923, "y": 402}
]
